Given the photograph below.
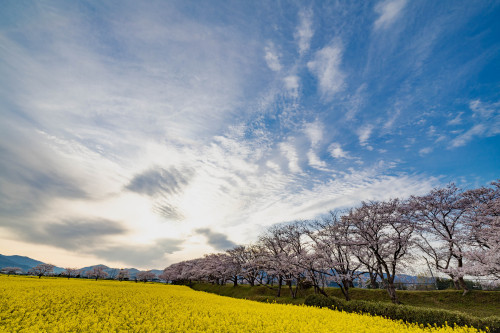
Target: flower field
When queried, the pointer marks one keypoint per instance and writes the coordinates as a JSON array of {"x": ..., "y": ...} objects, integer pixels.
[{"x": 30, "y": 304}]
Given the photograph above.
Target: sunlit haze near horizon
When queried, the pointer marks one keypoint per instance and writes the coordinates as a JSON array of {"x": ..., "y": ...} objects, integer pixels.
[{"x": 139, "y": 134}]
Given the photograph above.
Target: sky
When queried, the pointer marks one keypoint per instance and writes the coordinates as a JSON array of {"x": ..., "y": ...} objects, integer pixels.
[{"x": 143, "y": 133}]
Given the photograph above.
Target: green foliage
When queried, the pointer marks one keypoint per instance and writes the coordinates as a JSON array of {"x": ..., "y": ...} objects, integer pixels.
[
  {"x": 413, "y": 314},
  {"x": 476, "y": 303},
  {"x": 188, "y": 283},
  {"x": 443, "y": 284},
  {"x": 305, "y": 284}
]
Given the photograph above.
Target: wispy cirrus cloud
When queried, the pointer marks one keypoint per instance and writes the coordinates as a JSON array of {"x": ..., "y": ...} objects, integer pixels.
[
  {"x": 364, "y": 134},
  {"x": 326, "y": 67},
  {"x": 272, "y": 58},
  {"x": 292, "y": 85},
  {"x": 304, "y": 32},
  {"x": 336, "y": 151},
  {"x": 486, "y": 122},
  {"x": 388, "y": 11}
]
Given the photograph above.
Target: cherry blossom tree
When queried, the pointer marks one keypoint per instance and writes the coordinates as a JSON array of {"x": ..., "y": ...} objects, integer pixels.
[
  {"x": 173, "y": 272},
  {"x": 42, "y": 269},
  {"x": 442, "y": 233},
  {"x": 482, "y": 221},
  {"x": 71, "y": 272},
  {"x": 245, "y": 258},
  {"x": 370, "y": 263},
  {"x": 297, "y": 256},
  {"x": 113, "y": 273},
  {"x": 145, "y": 276},
  {"x": 11, "y": 270},
  {"x": 123, "y": 274},
  {"x": 280, "y": 258},
  {"x": 98, "y": 272},
  {"x": 335, "y": 251},
  {"x": 457, "y": 232},
  {"x": 386, "y": 230}
]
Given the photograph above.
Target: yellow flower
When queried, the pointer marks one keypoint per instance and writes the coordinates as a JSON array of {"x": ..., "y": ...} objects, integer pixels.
[{"x": 80, "y": 305}]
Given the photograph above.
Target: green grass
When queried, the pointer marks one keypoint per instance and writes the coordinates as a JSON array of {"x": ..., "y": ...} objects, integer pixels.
[{"x": 476, "y": 303}]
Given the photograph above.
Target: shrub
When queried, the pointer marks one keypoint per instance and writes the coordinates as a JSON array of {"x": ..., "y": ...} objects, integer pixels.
[{"x": 411, "y": 314}]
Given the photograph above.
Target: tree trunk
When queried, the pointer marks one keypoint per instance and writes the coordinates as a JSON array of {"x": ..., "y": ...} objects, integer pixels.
[
  {"x": 280, "y": 281},
  {"x": 391, "y": 289},
  {"x": 345, "y": 289},
  {"x": 235, "y": 281},
  {"x": 373, "y": 279},
  {"x": 322, "y": 292},
  {"x": 293, "y": 292},
  {"x": 463, "y": 285}
]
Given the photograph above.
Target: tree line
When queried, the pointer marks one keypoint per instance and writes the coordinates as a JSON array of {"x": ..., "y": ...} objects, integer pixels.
[
  {"x": 452, "y": 231},
  {"x": 97, "y": 272}
]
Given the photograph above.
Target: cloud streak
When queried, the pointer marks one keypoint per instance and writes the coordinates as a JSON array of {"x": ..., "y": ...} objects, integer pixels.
[
  {"x": 304, "y": 32},
  {"x": 388, "y": 11},
  {"x": 326, "y": 68},
  {"x": 217, "y": 240},
  {"x": 160, "y": 181},
  {"x": 486, "y": 119}
]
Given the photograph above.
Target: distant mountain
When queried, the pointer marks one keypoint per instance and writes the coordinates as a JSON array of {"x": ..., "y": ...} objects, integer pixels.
[
  {"x": 6, "y": 262},
  {"x": 113, "y": 272},
  {"x": 25, "y": 263}
]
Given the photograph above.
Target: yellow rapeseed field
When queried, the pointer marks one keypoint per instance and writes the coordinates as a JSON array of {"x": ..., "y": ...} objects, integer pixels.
[{"x": 30, "y": 304}]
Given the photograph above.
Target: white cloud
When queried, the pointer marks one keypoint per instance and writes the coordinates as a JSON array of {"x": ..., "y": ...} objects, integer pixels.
[
  {"x": 463, "y": 139},
  {"x": 364, "y": 134},
  {"x": 292, "y": 85},
  {"x": 272, "y": 57},
  {"x": 315, "y": 161},
  {"x": 355, "y": 102},
  {"x": 457, "y": 120},
  {"x": 388, "y": 12},
  {"x": 432, "y": 131},
  {"x": 291, "y": 154},
  {"x": 392, "y": 119},
  {"x": 486, "y": 122},
  {"x": 336, "y": 151},
  {"x": 304, "y": 31},
  {"x": 345, "y": 190},
  {"x": 425, "y": 151},
  {"x": 326, "y": 68},
  {"x": 314, "y": 132},
  {"x": 483, "y": 110}
]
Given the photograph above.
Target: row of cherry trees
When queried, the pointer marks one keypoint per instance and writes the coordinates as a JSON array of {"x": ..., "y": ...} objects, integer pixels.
[
  {"x": 96, "y": 272},
  {"x": 456, "y": 232},
  {"x": 101, "y": 272}
]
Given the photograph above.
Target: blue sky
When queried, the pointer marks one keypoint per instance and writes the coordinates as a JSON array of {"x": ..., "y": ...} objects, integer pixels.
[{"x": 145, "y": 133}]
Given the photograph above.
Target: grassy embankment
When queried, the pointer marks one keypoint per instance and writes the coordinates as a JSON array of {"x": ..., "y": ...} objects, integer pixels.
[{"x": 476, "y": 303}]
